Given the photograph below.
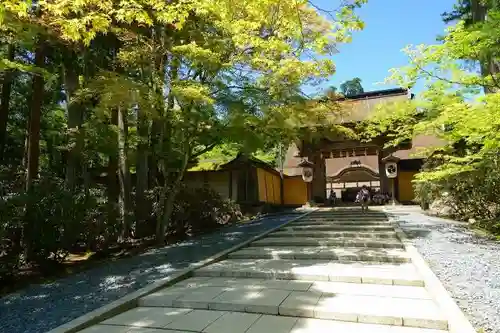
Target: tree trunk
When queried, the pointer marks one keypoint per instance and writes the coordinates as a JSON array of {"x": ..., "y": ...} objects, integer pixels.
[
  {"x": 75, "y": 119},
  {"x": 33, "y": 150},
  {"x": 478, "y": 11},
  {"x": 5, "y": 100},
  {"x": 33, "y": 141},
  {"x": 124, "y": 175},
  {"x": 167, "y": 200},
  {"x": 141, "y": 203},
  {"x": 113, "y": 190},
  {"x": 489, "y": 66},
  {"x": 153, "y": 156}
]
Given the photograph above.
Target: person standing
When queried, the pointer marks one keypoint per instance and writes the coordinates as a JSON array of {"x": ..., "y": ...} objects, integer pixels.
[
  {"x": 364, "y": 198},
  {"x": 332, "y": 197}
]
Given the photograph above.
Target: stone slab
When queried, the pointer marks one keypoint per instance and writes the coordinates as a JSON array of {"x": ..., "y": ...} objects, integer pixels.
[
  {"x": 322, "y": 252},
  {"x": 129, "y": 301},
  {"x": 125, "y": 329},
  {"x": 381, "y": 310},
  {"x": 300, "y": 304},
  {"x": 313, "y": 221},
  {"x": 337, "y": 241},
  {"x": 309, "y": 325},
  {"x": 316, "y": 270},
  {"x": 345, "y": 219},
  {"x": 314, "y": 303},
  {"x": 367, "y": 289},
  {"x": 147, "y": 317},
  {"x": 198, "y": 298},
  {"x": 239, "y": 299},
  {"x": 195, "y": 320},
  {"x": 339, "y": 227},
  {"x": 273, "y": 324},
  {"x": 267, "y": 301},
  {"x": 257, "y": 284},
  {"x": 290, "y": 232},
  {"x": 167, "y": 296},
  {"x": 233, "y": 299},
  {"x": 232, "y": 322}
]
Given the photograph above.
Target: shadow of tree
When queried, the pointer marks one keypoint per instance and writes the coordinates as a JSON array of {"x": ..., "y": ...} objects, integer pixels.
[{"x": 40, "y": 308}]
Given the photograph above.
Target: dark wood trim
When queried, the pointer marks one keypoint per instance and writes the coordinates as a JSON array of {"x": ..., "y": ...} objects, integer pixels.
[{"x": 230, "y": 184}]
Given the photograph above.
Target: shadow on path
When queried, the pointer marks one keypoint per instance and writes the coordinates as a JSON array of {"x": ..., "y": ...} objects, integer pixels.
[{"x": 40, "y": 308}]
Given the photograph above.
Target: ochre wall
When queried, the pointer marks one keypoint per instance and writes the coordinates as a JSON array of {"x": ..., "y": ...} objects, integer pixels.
[
  {"x": 295, "y": 191},
  {"x": 217, "y": 181},
  {"x": 269, "y": 187},
  {"x": 405, "y": 186}
]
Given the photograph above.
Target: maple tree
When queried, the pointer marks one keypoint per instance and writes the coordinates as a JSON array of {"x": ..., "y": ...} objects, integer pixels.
[
  {"x": 133, "y": 92},
  {"x": 460, "y": 104}
]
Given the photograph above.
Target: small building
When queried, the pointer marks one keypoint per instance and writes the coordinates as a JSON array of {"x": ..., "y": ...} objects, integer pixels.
[
  {"x": 251, "y": 182},
  {"x": 344, "y": 165},
  {"x": 340, "y": 163}
]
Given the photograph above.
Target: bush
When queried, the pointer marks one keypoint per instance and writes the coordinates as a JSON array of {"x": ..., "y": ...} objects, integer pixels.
[
  {"x": 10, "y": 237},
  {"x": 197, "y": 210},
  {"x": 42, "y": 227},
  {"x": 468, "y": 196}
]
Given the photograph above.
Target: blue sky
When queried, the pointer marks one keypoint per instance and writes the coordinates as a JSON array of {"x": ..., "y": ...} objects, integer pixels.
[{"x": 390, "y": 26}]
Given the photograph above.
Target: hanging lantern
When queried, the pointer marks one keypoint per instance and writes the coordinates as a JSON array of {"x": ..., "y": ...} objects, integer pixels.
[
  {"x": 391, "y": 166},
  {"x": 307, "y": 170}
]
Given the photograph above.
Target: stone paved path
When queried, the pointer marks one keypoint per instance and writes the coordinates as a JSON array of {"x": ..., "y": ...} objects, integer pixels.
[
  {"x": 331, "y": 271},
  {"x": 40, "y": 308}
]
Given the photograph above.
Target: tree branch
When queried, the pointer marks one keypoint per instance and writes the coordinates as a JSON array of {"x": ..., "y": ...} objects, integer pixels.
[
  {"x": 204, "y": 150},
  {"x": 452, "y": 81}
]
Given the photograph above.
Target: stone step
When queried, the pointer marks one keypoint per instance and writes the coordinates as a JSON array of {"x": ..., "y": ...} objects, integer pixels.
[
  {"x": 348, "y": 216},
  {"x": 342, "y": 254},
  {"x": 315, "y": 270},
  {"x": 146, "y": 319},
  {"x": 290, "y": 232},
  {"x": 352, "y": 215},
  {"x": 323, "y": 287},
  {"x": 352, "y": 210},
  {"x": 396, "y": 311},
  {"x": 360, "y": 223},
  {"x": 338, "y": 241},
  {"x": 340, "y": 227},
  {"x": 336, "y": 219}
]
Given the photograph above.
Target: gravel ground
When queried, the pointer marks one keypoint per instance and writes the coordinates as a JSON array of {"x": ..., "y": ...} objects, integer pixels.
[
  {"x": 40, "y": 308},
  {"x": 468, "y": 265}
]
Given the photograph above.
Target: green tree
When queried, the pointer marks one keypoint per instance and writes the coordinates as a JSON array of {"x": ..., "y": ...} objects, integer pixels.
[
  {"x": 155, "y": 86},
  {"x": 452, "y": 108},
  {"x": 471, "y": 12},
  {"x": 352, "y": 87}
]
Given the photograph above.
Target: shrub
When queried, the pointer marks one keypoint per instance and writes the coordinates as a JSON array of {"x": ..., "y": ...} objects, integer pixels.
[
  {"x": 472, "y": 195},
  {"x": 10, "y": 237},
  {"x": 51, "y": 220},
  {"x": 200, "y": 209}
]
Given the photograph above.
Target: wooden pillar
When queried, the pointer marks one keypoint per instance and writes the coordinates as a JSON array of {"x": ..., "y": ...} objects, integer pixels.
[
  {"x": 319, "y": 178},
  {"x": 384, "y": 181},
  {"x": 230, "y": 185}
]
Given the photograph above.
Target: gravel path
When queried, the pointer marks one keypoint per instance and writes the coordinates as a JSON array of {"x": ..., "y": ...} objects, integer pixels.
[
  {"x": 40, "y": 308},
  {"x": 467, "y": 265}
]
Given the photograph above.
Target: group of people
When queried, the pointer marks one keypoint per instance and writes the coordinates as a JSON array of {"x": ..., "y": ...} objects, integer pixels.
[
  {"x": 364, "y": 197},
  {"x": 380, "y": 198}
]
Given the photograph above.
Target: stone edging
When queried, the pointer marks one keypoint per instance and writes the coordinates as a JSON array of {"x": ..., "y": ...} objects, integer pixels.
[
  {"x": 457, "y": 322},
  {"x": 131, "y": 300}
]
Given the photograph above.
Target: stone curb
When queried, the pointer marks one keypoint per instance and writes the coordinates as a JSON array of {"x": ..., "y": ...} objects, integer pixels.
[
  {"x": 131, "y": 300},
  {"x": 457, "y": 321}
]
